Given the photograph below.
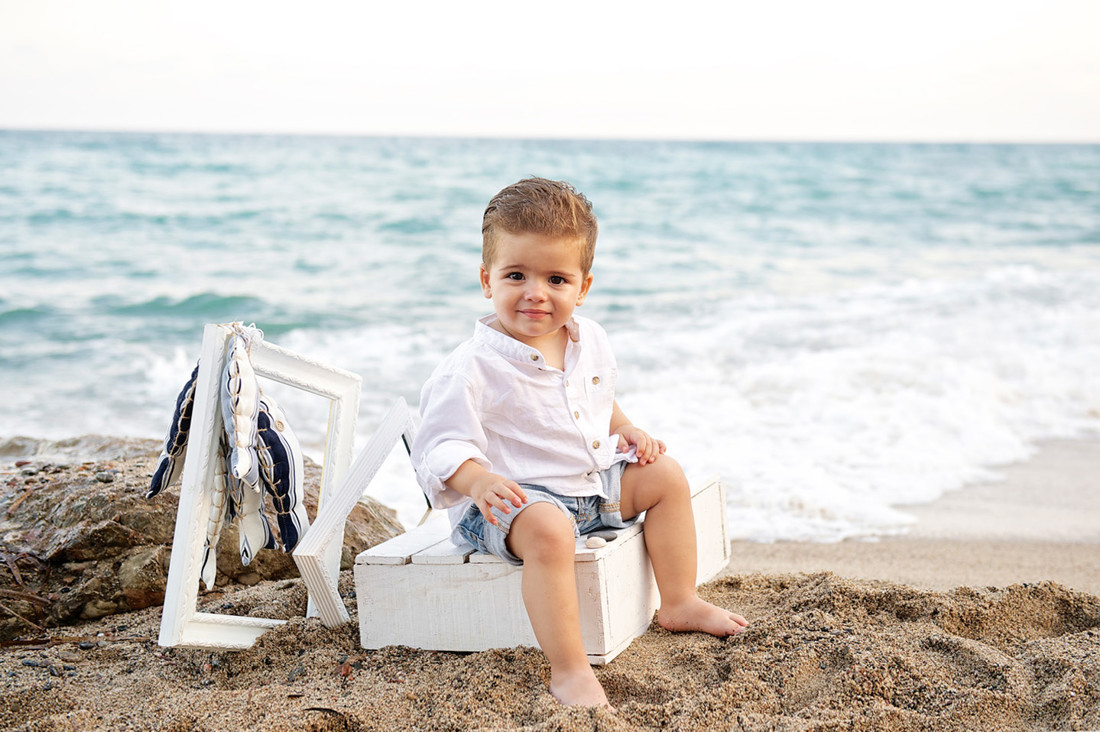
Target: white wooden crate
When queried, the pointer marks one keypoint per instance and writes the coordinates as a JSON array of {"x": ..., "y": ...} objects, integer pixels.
[{"x": 420, "y": 590}]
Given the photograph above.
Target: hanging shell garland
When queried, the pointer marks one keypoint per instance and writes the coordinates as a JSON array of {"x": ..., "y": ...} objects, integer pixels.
[
  {"x": 258, "y": 454},
  {"x": 170, "y": 464},
  {"x": 281, "y": 472},
  {"x": 241, "y": 405}
]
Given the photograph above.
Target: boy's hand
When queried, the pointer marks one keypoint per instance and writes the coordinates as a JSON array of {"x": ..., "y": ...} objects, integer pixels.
[
  {"x": 491, "y": 490},
  {"x": 647, "y": 448},
  {"x": 486, "y": 489}
]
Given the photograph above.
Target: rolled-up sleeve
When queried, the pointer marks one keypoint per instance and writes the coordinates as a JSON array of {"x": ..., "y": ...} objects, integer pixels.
[{"x": 450, "y": 433}]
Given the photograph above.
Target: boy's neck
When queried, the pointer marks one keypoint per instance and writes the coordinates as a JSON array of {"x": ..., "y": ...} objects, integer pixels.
[{"x": 551, "y": 346}]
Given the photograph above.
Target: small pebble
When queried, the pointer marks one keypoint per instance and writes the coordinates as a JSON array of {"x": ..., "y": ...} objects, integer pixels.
[
  {"x": 30, "y": 471},
  {"x": 595, "y": 542},
  {"x": 105, "y": 477}
]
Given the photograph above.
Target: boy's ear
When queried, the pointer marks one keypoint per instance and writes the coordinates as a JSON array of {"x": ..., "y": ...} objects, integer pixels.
[
  {"x": 485, "y": 289},
  {"x": 584, "y": 289}
]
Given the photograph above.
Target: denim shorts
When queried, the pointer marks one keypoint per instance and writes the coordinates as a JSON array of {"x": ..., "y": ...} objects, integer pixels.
[{"x": 587, "y": 513}]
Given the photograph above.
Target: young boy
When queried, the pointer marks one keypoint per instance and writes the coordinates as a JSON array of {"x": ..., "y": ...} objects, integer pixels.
[{"x": 522, "y": 439}]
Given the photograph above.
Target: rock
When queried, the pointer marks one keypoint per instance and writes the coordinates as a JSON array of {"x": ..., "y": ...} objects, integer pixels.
[
  {"x": 97, "y": 608},
  {"x": 80, "y": 548},
  {"x": 142, "y": 575}
]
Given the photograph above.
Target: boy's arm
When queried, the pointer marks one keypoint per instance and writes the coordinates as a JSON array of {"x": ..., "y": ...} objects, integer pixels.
[
  {"x": 488, "y": 490},
  {"x": 647, "y": 448}
]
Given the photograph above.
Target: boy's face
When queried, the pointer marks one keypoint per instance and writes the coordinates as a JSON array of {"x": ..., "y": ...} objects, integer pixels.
[{"x": 535, "y": 282}]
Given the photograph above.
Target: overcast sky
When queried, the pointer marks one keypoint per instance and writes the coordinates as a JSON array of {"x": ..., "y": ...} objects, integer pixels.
[{"x": 841, "y": 70}]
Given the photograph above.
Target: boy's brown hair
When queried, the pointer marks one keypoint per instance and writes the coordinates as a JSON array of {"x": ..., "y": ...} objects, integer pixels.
[{"x": 540, "y": 206}]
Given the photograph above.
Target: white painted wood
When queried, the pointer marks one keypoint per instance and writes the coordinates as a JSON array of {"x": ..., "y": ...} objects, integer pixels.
[
  {"x": 415, "y": 590},
  {"x": 711, "y": 529},
  {"x": 225, "y": 632},
  {"x": 181, "y": 623},
  {"x": 182, "y": 586},
  {"x": 314, "y": 552},
  {"x": 401, "y": 548},
  {"x": 443, "y": 552}
]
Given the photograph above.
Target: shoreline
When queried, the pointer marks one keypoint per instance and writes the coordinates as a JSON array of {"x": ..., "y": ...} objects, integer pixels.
[{"x": 1040, "y": 523}]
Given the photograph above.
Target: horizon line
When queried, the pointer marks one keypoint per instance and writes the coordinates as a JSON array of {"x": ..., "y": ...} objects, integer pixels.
[{"x": 556, "y": 138}]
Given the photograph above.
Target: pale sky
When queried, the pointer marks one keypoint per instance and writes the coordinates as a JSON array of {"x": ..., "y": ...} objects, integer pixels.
[{"x": 844, "y": 70}]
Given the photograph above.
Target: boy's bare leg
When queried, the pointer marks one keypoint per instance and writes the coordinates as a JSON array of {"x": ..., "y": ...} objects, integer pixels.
[
  {"x": 661, "y": 490},
  {"x": 542, "y": 536}
]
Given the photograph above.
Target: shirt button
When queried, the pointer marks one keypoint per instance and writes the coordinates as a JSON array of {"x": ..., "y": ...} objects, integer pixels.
[
  {"x": 595, "y": 444},
  {"x": 567, "y": 382},
  {"x": 595, "y": 379},
  {"x": 534, "y": 357},
  {"x": 576, "y": 415}
]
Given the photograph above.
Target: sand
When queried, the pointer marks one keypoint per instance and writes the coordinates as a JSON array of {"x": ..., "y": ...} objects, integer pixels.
[
  {"x": 1042, "y": 522},
  {"x": 963, "y": 625}
]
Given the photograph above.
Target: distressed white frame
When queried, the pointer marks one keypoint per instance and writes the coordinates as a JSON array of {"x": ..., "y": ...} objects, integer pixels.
[
  {"x": 181, "y": 623},
  {"x": 313, "y": 553}
]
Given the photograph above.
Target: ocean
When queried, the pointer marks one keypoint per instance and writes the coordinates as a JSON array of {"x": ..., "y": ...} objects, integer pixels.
[{"x": 836, "y": 330}]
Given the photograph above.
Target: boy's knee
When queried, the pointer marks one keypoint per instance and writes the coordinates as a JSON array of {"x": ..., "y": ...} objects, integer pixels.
[
  {"x": 665, "y": 473},
  {"x": 542, "y": 532},
  {"x": 645, "y": 486},
  {"x": 672, "y": 473}
]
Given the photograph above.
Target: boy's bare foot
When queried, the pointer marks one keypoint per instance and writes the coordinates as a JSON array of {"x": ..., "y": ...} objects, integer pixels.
[
  {"x": 698, "y": 614},
  {"x": 579, "y": 689}
]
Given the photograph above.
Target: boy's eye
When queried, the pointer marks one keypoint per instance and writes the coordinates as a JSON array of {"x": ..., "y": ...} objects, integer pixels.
[
  {"x": 557, "y": 280},
  {"x": 514, "y": 276}
]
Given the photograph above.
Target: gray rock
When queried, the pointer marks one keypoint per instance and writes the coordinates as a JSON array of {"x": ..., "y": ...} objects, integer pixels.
[{"x": 76, "y": 548}]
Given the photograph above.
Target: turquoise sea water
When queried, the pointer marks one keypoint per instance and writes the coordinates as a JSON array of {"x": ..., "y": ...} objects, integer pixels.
[{"x": 835, "y": 329}]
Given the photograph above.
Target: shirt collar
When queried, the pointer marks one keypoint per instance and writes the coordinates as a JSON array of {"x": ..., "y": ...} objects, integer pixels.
[{"x": 510, "y": 348}]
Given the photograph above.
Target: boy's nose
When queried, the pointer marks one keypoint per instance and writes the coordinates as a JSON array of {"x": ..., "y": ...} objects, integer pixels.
[{"x": 535, "y": 292}]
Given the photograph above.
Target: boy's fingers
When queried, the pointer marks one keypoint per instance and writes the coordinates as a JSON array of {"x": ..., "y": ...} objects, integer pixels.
[{"x": 487, "y": 512}]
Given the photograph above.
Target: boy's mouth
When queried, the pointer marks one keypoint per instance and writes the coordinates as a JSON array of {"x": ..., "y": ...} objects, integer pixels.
[{"x": 534, "y": 313}]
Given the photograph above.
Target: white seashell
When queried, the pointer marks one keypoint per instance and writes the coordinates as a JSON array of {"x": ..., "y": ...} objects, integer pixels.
[
  {"x": 219, "y": 507},
  {"x": 253, "y": 529},
  {"x": 595, "y": 542},
  {"x": 240, "y": 399}
]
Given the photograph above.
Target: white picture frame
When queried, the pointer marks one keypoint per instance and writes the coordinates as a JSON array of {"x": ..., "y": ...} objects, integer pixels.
[
  {"x": 181, "y": 622},
  {"x": 314, "y": 553}
]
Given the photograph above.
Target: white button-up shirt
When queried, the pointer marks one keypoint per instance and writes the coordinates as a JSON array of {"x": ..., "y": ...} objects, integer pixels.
[{"x": 496, "y": 401}]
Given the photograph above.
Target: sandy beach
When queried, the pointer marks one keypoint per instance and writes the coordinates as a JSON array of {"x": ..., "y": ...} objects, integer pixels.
[
  {"x": 986, "y": 616},
  {"x": 1042, "y": 522}
]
